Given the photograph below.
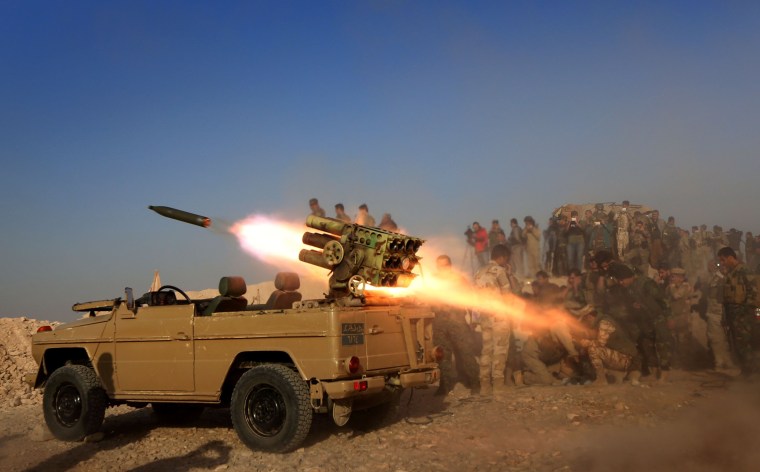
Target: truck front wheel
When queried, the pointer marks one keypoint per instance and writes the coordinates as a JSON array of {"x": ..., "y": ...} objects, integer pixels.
[
  {"x": 270, "y": 408},
  {"x": 74, "y": 402}
]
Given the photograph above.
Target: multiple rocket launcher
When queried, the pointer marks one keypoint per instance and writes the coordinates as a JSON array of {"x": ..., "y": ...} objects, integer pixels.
[{"x": 381, "y": 258}]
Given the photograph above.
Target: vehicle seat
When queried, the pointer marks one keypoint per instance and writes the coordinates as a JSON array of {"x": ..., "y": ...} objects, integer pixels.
[
  {"x": 162, "y": 298},
  {"x": 231, "y": 291},
  {"x": 285, "y": 294}
]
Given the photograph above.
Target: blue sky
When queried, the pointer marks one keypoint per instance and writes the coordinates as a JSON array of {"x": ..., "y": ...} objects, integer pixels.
[{"x": 439, "y": 112}]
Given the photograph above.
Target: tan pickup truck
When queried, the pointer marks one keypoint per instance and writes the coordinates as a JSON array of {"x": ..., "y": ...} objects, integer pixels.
[{"x": 273, "y": 365}]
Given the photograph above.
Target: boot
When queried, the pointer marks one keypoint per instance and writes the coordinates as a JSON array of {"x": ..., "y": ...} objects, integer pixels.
[
  {"x": 653, "y": 374},
  {"x": 518, "y": 376},
  {"x": 634, "y": 377},
  {"x": 499, "y": 387},
  {"x": 601, "y": 377},
  {"x": 486, "y": 388},
  {"x": 619, "y": 376},
  {"x": 664, "y": 377}
]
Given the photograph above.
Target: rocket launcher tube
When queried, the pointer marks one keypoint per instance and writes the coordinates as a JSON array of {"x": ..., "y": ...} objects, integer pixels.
[
  {"x": 328, "y": 225},
  {"x": 318, "y": 239},
  {"x": 313, "y": 257}
]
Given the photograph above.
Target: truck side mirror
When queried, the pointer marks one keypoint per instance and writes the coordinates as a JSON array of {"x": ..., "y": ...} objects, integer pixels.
[{"x": 130, "y": 298}]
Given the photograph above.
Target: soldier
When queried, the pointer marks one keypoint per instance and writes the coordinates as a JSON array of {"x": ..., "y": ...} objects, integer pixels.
[
  {"x": 363, "y": 217},
  {"x": 495, "y": 277},
  {"x": 650, "y": 311},
  {"x": 716, "y": 334},
  {"x": 681, "y": 297},
  {"x": 517, "y": 247},
  {"x": 451, "y": 332},
  {"x": 639, "y": 246},
  {"x": 494, "y": 233},
  {"x": 316, "y": 210},
  {"x": 548, "y": 339},
  {"x": 670, "y": 240},
  {"x": 655, "y": 228},
  {"x": 613, "y": 348},
  {"x": 387, "y": 223},
  {"x": 750, "y": 248},
  {"x": 532, "y": 238},
  {"x": 599, "y": 213},
  {"x": 340, "y": 213},
  {"x": 740, "y": 300},
  {"x": 623, "y": 223}
]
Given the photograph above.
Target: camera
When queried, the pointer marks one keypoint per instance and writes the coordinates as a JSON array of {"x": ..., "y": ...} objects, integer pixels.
[{"x": 470, "y": 235}]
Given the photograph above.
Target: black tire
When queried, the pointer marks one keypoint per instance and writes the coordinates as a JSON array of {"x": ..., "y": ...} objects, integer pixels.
[
  {"x": 74, "y": 402},
  {"x": 177, "y": 413},
  {"x": 270, "y": 408}
]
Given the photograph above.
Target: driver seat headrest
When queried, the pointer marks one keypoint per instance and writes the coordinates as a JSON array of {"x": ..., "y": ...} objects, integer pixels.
[
  {"x": 287, "y": 281},
  {"x": 232, "y": 286}
]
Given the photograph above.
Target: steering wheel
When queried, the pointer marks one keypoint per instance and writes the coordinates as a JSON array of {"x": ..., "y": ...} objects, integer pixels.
[{"x": 178, "y": 290}]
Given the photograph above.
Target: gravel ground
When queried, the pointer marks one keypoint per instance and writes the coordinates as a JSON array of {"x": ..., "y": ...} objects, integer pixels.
[{"x": 700, "y": 421}]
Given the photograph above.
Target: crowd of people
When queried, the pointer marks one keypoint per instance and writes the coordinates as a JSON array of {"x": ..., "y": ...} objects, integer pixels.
[
  {"x": 635, "y": 237},
  {"x": 632, "y": 287}
]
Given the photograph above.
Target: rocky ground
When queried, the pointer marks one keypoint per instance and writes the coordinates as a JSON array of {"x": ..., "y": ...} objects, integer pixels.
[{"x": 699, "y": 421}]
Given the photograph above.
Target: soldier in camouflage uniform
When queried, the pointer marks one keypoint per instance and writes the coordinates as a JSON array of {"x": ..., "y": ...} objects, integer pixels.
[
  {"x": 740, "y": 300},
  {"x": 680, "y": 297},
  {"x": 639, "y": 246},
  {"x": 613, "y": 349},
  {"x": 496, "y": 277},
  {"x": 650, "y": 310},
  {"x": 452, "y": 333},
  {"x": 623, "y": 224},
  {"x": 716, "y": 334}
]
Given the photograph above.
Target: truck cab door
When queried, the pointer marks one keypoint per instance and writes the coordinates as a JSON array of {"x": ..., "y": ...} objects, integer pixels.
[{"x": 154, "y": 349}]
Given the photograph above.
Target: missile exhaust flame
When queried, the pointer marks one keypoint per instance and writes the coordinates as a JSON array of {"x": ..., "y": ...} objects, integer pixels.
[{"x": 279, "y": 243}]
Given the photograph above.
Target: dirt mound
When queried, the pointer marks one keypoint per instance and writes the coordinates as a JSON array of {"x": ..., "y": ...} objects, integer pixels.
[{"x": 16, "y": 361}]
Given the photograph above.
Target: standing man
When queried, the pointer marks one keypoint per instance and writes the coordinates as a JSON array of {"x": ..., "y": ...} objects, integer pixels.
[
  {"x": 316, "y": 210},
  {"x": 516, "y": 247},
  {"x": 623, "y": 229},
  {"x": 576, "y": 243},
  {"x": 363, "y": 217},
  {"x": 480, "y": 243},
  {"x": 340, "y": 213},
  {"x": 716, "y": 333},
  {"x": 494, "y": 233},
  {"x": 532, "y": 238},
  {"x": 650, "y": 310},
  {"x": 740, "y": 301},
  {"x": 453, "y": 335},
  {"x": 495, "y": 279}
]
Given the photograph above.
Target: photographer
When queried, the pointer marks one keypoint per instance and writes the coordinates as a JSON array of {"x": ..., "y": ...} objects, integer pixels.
[{"x": 478, "y": 238}]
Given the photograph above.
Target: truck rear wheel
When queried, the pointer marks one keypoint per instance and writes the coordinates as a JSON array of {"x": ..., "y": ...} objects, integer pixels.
[
  {"x": 270, "y": 408},
  {"x": 74, "y": 402}
]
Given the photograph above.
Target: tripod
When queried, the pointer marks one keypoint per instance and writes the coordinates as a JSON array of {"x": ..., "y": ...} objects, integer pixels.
[{"x": 469, "y": 260}]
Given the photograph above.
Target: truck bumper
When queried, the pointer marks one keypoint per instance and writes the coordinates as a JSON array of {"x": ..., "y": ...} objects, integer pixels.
[{"x": 367, "y": 386}]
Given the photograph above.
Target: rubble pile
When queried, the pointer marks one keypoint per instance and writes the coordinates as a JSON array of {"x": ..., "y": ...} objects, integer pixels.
[{"x": 16, "y": 361}]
